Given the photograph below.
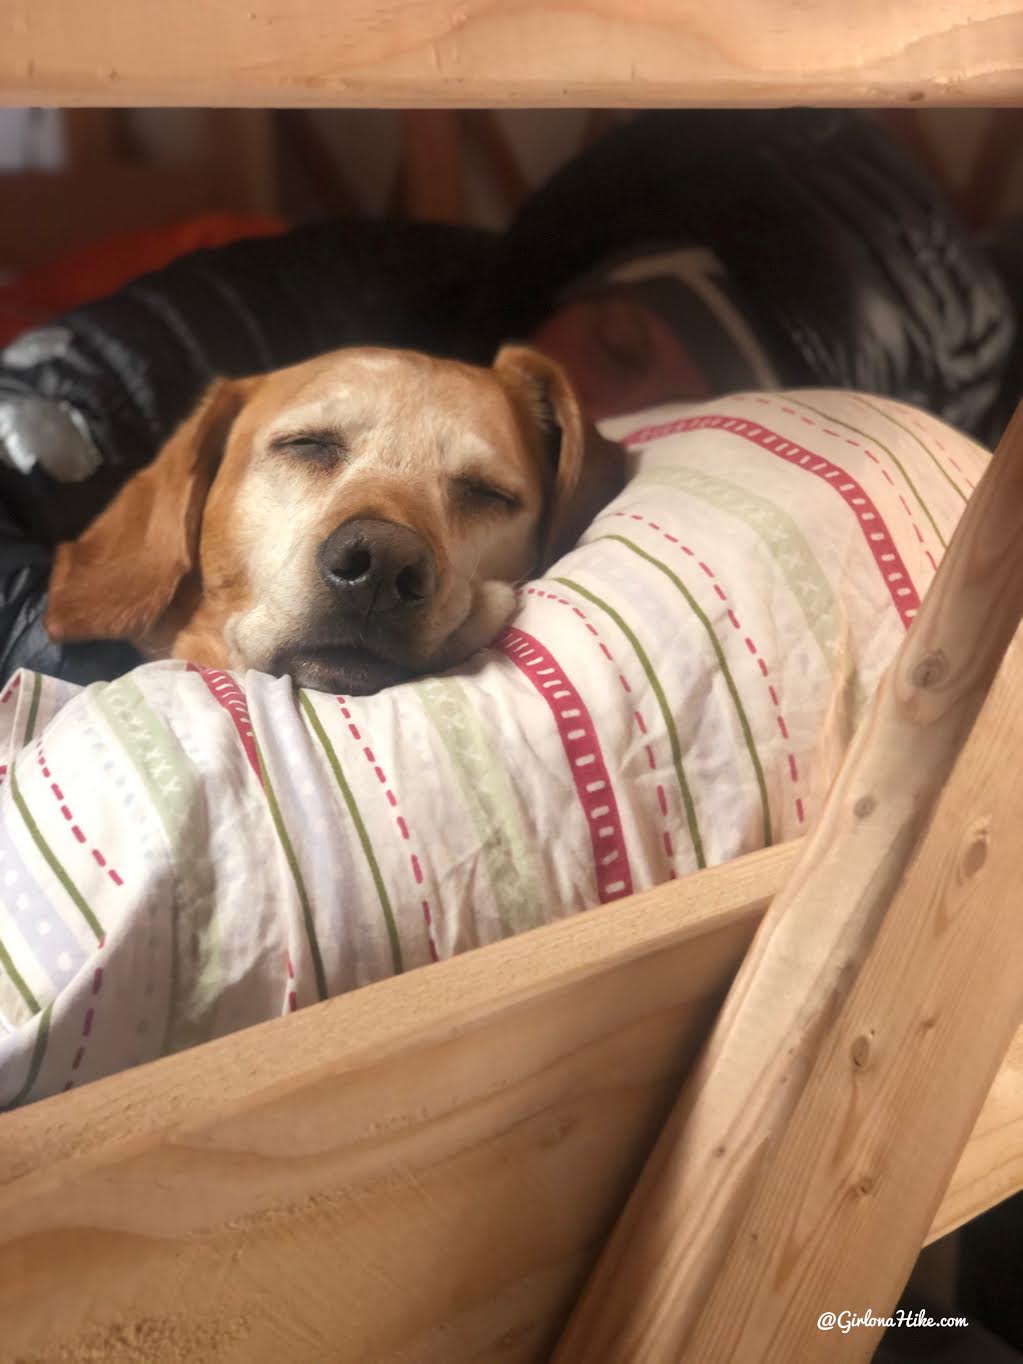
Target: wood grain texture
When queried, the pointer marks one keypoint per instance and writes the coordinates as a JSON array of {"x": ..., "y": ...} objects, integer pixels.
[
  {"x": 510, "y": 52},
  {"x": 651, "y": 1288},
  {"x": 842, "y": 1210}
]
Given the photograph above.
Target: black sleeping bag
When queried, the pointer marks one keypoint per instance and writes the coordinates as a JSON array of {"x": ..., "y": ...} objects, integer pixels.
[{"x": 850, "y": 268}]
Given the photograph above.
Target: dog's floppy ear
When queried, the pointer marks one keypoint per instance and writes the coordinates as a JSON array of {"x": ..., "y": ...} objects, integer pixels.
[
  {"x": 119, "y": 577},
  {"x": 588, "y": 470}
]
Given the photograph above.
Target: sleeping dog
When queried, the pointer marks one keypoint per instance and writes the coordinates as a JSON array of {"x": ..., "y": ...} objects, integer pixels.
[{"x": 351, "y": 521}]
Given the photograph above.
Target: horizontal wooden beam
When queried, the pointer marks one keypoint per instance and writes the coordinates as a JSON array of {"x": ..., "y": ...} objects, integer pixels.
[
  {"x": 424, "y": 1169},
  {"x": 510, "y": 52}
]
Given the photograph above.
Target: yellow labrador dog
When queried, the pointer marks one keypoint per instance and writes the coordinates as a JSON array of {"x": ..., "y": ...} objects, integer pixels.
[{"x": 350, "y": 521}]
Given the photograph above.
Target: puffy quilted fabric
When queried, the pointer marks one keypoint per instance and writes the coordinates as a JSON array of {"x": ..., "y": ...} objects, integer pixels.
[{"x": 183, "y": 853}]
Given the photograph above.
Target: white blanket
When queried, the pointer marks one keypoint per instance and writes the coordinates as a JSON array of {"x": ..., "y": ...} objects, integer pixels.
[{"x": 184, "y": 853}]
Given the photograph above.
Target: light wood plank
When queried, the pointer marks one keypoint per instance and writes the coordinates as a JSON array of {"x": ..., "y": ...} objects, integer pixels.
[
  {"x": 506, "y": 52},
  {"x": 647, "y": 1302}
]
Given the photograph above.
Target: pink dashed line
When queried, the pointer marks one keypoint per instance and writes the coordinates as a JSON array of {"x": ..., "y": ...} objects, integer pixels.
[
  {"x": 414, "y": 864},
  {"x": 58, "y": 795},
  {"x": 90, "y": 1015},
  {"x": 10, "y": 691},
  {"x": 872, "y": 526},
  {"x": 940, "y": 445},
  {"x": 754, "y": 651},
  {"x": 911, "y": 611}
]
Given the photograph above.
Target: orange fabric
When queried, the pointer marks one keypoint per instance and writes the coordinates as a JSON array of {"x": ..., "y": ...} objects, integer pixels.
[{"x": 84, "y": 273}]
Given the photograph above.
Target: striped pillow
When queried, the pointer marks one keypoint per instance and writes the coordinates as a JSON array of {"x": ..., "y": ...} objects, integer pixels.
[{"x": 183, "y": 853}]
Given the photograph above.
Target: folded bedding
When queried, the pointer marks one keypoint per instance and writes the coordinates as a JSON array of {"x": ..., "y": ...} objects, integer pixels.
[{"x": 186, "y": 852}]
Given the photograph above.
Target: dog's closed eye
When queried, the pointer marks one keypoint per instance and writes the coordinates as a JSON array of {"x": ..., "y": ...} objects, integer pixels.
[
  {"x": 472, "y": 492},
  {"x": 325, "y": 449}
]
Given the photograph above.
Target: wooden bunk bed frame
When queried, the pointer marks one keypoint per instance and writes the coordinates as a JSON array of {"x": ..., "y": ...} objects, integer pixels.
[{"x": 429, "y": 1169}]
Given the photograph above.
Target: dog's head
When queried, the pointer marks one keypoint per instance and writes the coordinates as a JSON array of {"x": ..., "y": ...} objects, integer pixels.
[{"x": 348, "y": 521}]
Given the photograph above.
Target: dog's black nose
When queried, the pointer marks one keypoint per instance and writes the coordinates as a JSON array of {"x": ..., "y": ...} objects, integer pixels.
[{"x": 378, "y": 566}]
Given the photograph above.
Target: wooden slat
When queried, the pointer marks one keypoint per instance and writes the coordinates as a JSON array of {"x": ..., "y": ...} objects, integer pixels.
[
  {"x": 418, "y": 1173},
  {"x": 507, "y": 52}
]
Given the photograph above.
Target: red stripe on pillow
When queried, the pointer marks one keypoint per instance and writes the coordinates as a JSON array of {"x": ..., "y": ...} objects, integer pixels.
[{"x": 585, "y": 760}]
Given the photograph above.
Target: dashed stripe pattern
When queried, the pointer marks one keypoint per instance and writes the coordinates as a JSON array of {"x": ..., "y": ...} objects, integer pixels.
[
  {"x": 66, "y": 814},
  {"x": 879, "y": 539},
  {"x": 415, "y": 865},
  {"x": 642, "y": 729},
  {"x": 758, "y": 658},
  {"x": 585, "y": 760},
  {"x": 227, "y": 693},
  {"x": 696, "y": 838}
]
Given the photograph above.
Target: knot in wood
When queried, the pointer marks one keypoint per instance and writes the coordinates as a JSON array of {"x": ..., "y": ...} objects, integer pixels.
[
  {"x": 975, "y": 852},
  {"x": 860, "y": 1052},
  {"x": 866, "y": 805},
  {"x": 930, "y": 670}
]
